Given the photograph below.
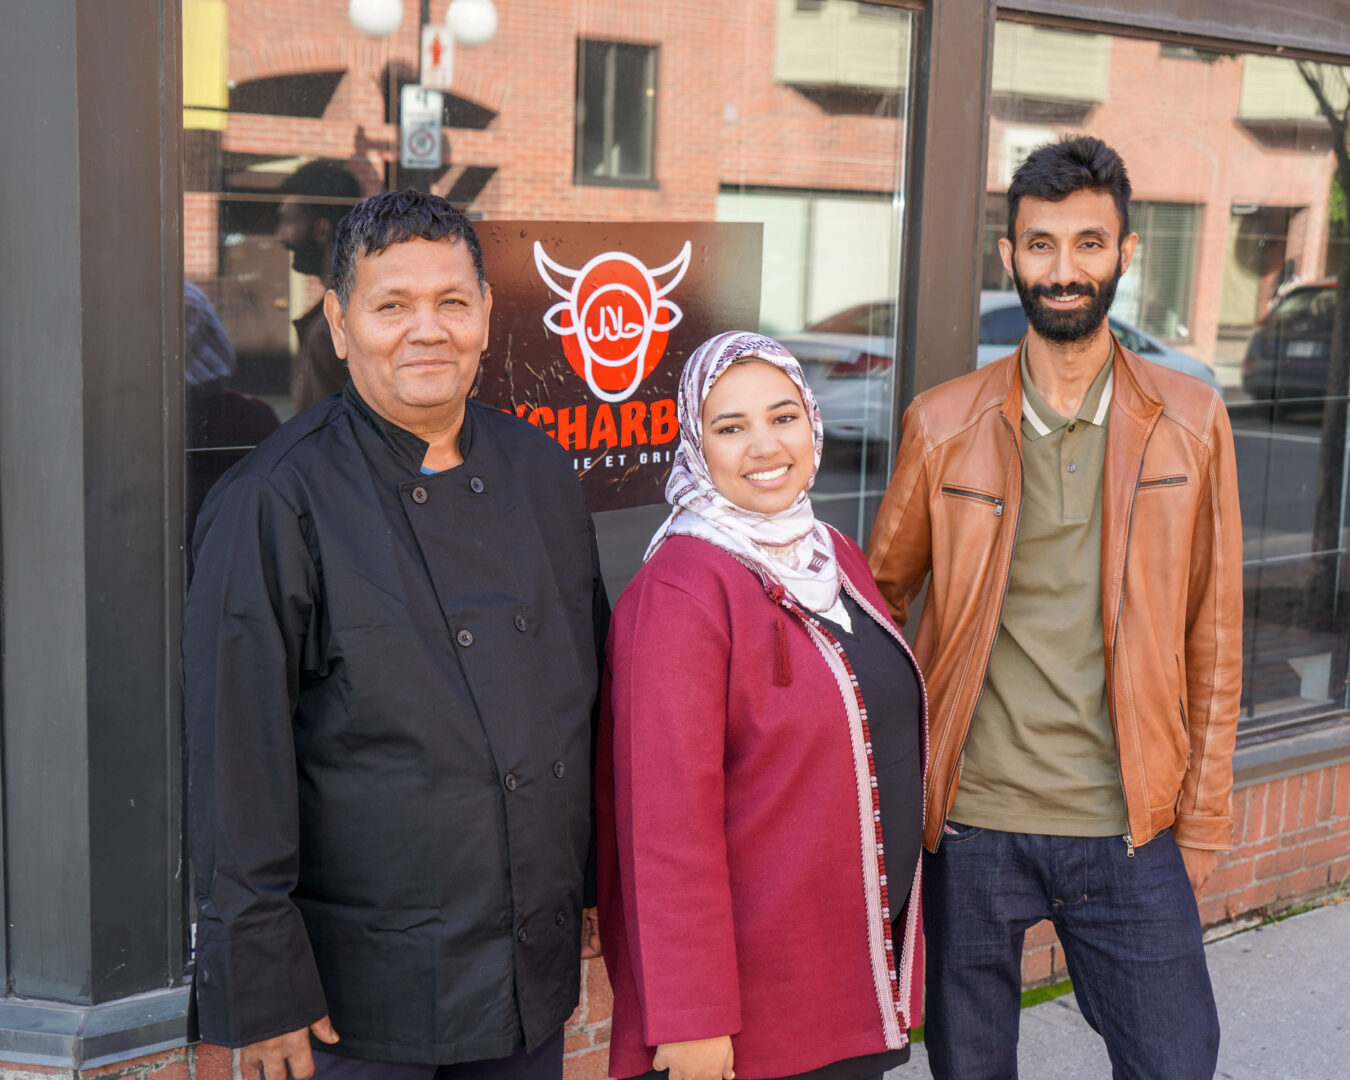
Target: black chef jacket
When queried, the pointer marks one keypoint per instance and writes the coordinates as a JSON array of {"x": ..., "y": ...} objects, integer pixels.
[
  {"x": 389, "y": 686},
  {"x": 317, "y": 370}
]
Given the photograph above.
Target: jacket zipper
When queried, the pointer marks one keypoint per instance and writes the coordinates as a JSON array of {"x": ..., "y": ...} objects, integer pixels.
[
  {"x": 1139, "y": 485},
  {"x": 965, "y": 493},
  {"x": 998, "y": 626},
  {"x": 1115, "y": 635},
  {"x": 1181, "y": 708}
]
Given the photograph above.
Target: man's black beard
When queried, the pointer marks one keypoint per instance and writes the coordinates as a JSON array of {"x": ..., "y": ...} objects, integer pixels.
[
  {"x": 307, "y": 257},
  {"x": 1066, "y": 327}
]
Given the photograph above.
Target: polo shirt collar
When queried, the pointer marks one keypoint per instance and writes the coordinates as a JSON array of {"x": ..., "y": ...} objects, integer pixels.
[{"x": 1096, "y": 402}]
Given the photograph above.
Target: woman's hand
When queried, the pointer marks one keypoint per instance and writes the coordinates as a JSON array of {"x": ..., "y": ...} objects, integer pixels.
[
  {"x": 590, "y": 933},
  {"x": 698, "y": 1059}
]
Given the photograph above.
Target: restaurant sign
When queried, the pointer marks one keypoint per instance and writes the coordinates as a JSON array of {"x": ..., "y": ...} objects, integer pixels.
[{"x": 591, "y": 326}]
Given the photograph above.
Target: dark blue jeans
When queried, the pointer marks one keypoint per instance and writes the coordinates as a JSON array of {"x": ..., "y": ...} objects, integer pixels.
[{"x": 1131, "y": 938}]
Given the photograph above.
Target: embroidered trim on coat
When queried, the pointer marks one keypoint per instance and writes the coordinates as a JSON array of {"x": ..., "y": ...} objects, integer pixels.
[
  {"x": 907, "y": 950},
  {"x": 876, "y": 894},
  {"x": 886, "y": 973}
]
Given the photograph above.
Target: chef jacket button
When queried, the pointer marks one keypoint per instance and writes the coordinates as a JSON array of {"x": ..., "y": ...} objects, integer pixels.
[
  {"x": 522, "y": 934},
  {"x": 560, "y": 918},
  {"x": 465, "y": 638},
  {"x": 477, "y": 485},
  {"x": 419, "y": 494},
  {"x": 509, "y": 781},
  {"x": 558, "y": 769},
  {"x": 520, "y": 623}
]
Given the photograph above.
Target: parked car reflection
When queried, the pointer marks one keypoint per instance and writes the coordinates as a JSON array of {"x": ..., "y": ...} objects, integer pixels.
[
  {"x": 849, "y": 359},
  {"x": 1287, "y": 356}
]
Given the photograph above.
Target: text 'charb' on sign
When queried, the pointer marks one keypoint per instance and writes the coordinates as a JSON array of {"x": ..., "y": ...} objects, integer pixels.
[{"x": 591, "y": 324}]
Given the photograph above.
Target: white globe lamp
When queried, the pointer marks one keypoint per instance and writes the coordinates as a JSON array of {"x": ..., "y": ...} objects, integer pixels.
[
  {"x": 472, "y": 22},
  {"x": 378, "y": 18}
]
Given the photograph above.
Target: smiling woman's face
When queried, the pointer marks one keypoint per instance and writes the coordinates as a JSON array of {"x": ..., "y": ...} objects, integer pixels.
[{"x": 757, "y": 437}]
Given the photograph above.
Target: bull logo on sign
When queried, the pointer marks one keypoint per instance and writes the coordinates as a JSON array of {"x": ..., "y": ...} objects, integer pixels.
[{"x": 614, "y": 319}]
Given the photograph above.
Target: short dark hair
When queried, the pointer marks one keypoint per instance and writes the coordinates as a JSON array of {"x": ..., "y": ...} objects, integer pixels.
[
  {"x": 324, "y": 179},
  {"x": 395, "y": 217},
  {"x": 1056, "y": 170}
]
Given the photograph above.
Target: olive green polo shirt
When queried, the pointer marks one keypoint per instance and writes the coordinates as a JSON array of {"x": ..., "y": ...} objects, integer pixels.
[{"x": 1040, "y": 757}]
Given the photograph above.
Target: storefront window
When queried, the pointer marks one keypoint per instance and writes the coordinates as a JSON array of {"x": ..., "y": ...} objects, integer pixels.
[
  {"x": 1239, "y": 279},
  {"x": 751, "y": 160}
]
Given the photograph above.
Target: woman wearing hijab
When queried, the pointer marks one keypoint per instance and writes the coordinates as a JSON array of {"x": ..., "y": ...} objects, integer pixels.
[{"x": 759, "y": 779}]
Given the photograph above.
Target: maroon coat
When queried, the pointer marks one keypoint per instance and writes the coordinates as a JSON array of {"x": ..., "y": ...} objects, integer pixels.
[{"x": 741, "y": 887}]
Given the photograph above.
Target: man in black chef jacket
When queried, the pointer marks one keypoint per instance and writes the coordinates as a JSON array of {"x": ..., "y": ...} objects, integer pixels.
[{"x": 390, "y": 658}]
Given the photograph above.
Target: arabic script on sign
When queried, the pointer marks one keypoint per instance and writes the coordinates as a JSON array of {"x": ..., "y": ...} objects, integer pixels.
[{"x": 614, "y": 317}]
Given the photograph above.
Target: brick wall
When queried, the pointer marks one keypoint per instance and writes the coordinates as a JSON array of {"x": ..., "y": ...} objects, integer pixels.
[
  {"x": 190, "y": 1063},
  {"x": 1291, "y": 843},
  {"x": 586, "y": 1051},
  {"x": 721, "y": 118}
]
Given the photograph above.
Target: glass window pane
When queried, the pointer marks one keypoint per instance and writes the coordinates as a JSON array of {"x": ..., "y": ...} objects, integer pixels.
[
  {"x": 594, "y": 64},
  {"x": 631, "y": 109},
  {"x": 788, "y": 125},
  {"x": 1238, "y": 279}
]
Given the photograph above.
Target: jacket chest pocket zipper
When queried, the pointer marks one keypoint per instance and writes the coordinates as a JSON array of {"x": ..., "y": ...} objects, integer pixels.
[
  {"x": 980, "y": 496},
  {"x": 1163, "y": 481}
]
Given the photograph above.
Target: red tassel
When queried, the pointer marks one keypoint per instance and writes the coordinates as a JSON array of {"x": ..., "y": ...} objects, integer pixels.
[{"x": 782, "y": 674}]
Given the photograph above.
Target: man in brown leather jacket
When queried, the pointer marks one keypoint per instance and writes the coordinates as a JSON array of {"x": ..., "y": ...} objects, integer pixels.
[
  {"x": 317, "y": 197},
  {"x": 1074, "y": 510}
]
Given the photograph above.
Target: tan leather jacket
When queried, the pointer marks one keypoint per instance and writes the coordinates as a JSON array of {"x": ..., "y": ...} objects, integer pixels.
[{"x": 1171, "y": 580}]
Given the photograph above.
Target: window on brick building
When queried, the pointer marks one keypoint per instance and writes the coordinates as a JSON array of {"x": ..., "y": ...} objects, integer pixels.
[
  {"x": 1157, "y": 296},
  {"x": 616, "y": 113}
]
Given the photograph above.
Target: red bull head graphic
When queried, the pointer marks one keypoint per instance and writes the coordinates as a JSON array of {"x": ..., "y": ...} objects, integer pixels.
[{"x": 614, "y": 318}]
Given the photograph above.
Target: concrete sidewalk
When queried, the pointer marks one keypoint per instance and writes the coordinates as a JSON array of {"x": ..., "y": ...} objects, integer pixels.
[{"x": 1284, "y": 1005}]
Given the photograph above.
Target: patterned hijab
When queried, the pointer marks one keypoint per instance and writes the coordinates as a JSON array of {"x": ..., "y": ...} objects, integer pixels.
[{"x": 790, "y": 547}]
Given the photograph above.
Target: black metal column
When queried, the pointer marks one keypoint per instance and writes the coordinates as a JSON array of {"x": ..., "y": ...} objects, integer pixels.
[
  {"x": 949, "y": 136},
  {"x": 90, "y": 503}
]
